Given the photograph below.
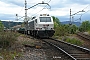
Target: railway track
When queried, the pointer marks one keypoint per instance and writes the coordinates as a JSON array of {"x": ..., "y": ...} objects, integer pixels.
[
  {"x": 85, "y": 36},
  {"x": 50, "y": 51},
  {"x": 72, "y": 51}
]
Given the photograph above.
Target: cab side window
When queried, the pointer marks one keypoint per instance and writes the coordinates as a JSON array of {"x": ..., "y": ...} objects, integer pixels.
[{"x": 36, "y": 20}]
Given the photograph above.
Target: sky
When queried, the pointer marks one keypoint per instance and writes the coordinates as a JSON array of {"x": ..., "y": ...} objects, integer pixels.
[{"x": 59, "y": 9}]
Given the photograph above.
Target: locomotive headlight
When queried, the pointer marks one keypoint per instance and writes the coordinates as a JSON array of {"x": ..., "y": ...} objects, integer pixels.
[{"x": 51, "y": 28}]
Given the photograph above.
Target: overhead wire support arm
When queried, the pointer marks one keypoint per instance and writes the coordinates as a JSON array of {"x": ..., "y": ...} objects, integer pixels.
[
  {"x": 45, "y": 3},
  {"x": 21, "y": 17},
  {"x": 18, "y": 16},
  {"x": 32, "y": 6},
  {"x": 72, "y": 15},
  {"x": 38, "y": 4},
  {"x": 29, "y": 8},
  {"x": 78, "y": 12}
]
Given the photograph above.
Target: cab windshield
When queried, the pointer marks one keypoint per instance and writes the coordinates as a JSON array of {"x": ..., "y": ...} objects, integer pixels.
[{"x": 45, "y": 19}]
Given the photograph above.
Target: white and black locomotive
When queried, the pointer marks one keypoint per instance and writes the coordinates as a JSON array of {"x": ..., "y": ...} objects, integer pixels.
[{"x": 41, "y": 26}]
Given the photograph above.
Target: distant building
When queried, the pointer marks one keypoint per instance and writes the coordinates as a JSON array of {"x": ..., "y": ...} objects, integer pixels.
[{"x": 15, "y": 28}]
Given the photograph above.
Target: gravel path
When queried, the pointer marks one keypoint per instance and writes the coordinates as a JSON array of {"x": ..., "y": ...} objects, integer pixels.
[
  {"x": 45, "y": 52},
  {"x": 33, "y": 54}
]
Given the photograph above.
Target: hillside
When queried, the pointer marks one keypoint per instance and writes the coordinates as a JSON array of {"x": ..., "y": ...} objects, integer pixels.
[
  {"x": 10, "y": 24},
  {"x": 75, "y": 23}
]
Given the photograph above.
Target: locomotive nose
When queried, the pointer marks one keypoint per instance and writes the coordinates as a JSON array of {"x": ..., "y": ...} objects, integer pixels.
[{"x": 45, "y": 26}]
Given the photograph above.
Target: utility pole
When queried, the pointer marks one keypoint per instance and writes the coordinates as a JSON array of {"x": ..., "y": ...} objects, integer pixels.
[
  {"x": 26, "y": 22},
  {"x": 25, "y": 9},
  {"x": 70, "y": 18}
]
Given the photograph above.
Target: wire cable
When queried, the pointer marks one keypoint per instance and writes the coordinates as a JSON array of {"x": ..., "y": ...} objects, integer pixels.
[
  {"x": 81, "y": 15},
  {"x": 21, "y": 9},
  {"x": 33, "y": 14},
  {"x": 20, "y": 12},
  {"x": 40, "y": 10},
  {"x": 86, "y": 6}
]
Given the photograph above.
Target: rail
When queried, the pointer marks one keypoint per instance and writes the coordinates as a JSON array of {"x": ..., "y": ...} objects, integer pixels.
[{"x": 73, "y": 51}]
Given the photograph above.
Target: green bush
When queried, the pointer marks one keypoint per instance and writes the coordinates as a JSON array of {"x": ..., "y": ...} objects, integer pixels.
[
  {"x": 74, "y": 41},
  {"x": 89, "y": 32},
  {"x": 60, "y": 31},
  {"x": 7, "y": 39},
  {"x": 1, "y": 26}
]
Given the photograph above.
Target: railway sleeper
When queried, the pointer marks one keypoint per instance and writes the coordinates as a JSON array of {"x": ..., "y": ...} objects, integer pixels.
[{"x": 83, "y": 58}]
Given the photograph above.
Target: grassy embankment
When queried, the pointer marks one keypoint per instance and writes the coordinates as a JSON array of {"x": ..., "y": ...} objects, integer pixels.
[
  {"x": 70, "y": 40},
  {"x": 7, "y": 39}
]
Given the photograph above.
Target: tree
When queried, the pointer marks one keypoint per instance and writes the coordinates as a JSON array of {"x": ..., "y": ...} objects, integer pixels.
[
  {"x": 61, "y": 30},
  {"x": 85, "y": 26},
  {"x": 73, "y": 29},
  {"x": 1, "y": 26},
  {"x": 56, "y": 21}
]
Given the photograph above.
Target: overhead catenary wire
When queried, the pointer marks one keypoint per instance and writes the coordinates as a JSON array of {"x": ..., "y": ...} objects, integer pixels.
[
  {"x": 21, "y": 9},
  {"x": 86, "y": 12},
  {"x": 86, "y": 7},
  {"x": 41, "y": 9},
  {"x": 33, "y": 6},
  {"x": 38, "y": 11},
  {"x": 20, "y": 13},
  {"x": 83, "y": 13}
]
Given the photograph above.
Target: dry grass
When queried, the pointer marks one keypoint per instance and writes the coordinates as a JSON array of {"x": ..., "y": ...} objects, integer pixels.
[
  {"x": 9, "y": 55},
  {"x": 7, "y": 40}
]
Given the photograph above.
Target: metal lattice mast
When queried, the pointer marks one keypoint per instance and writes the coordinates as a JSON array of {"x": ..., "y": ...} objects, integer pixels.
[
  {"x": 70, "y": 18},
  {"x": 26, "y": 22}
]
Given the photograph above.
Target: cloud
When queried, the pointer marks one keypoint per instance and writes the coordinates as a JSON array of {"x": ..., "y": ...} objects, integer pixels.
[
  {"x": 64, "y": 18},
  {"x": 7, "y": 17},
  {"x": 80, "y": 2},
  {"x": 59, "y": 8},
  {"x": 8, "y": 8},
  {"x": 14, "y": 2}
]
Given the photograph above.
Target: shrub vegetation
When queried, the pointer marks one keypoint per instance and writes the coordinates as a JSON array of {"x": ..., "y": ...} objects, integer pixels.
[
  {"x": 7, "y": 39},
  {"x": 74, "y": 41}
]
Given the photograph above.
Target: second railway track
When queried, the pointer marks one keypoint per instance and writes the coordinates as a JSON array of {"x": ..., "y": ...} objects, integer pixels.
[
  {"x": 85, "y": 36},
  {"x": 73, "y": 51}
]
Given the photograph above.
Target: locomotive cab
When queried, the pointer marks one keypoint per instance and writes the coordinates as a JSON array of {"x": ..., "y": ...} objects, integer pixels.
[
  {"x": 45, "y": 26},
  {"x": 41, "y": 26}
]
